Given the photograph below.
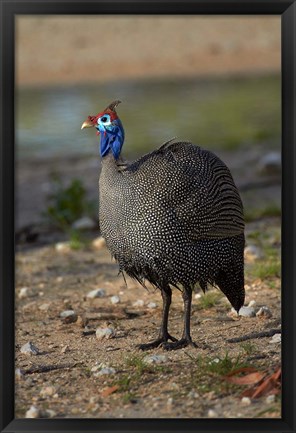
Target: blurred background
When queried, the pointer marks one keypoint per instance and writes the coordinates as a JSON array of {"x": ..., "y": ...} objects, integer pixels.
[{"x": 212, "y": 80}]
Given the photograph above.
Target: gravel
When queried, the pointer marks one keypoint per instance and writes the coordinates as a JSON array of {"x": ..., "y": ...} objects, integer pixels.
[
  {"x": 30, "y": 349},
  {"x": 96, "y": 293},
  {"x": 115, "y": 299},
  {"x": 105, "y": 333},
  {"x": 68, "y": 316}
]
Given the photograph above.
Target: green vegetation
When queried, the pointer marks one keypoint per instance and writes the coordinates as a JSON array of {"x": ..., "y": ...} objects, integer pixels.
[
  {"x": 271, "y": 210},
  {"x": 248, "y": 347},
  {"x": 209, "y": 299},
  {"x": 67, "y": 204},
  {"x": 268, "y": 269},
  {"x": 138, "y": 371},
  {"x": 208, "y": 373}
]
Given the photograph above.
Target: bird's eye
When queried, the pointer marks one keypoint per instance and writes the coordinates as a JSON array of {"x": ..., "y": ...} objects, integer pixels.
[{"x": 104, "y": 119}]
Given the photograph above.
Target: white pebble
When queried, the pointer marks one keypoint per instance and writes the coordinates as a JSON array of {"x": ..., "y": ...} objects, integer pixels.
[
  {"x": 18, "y": 374},
  {"x": 252, "y": 253},
  {"x": 63, "y": 247},
  {"x": 170, "y": 401},
  {"x": 105, "y": 333},
  {"x": 155, "y": 359},
  {"x": 138, "y": 303},
  {"x": 105, "y": 371},
  {"x": 246, "y": 401},
  {"x": 99, "y": 243},
  {"x": 97, "y": 293},
  {"x": 33, "y": 412},
  {"x": 212, "y": 414},
  {"x": 246, "y": 312},
  {"x": 84, "y": 223},
  {"x": 67, "y": 313},
  {"x": 270, "y": 399},
  {"x": 49, "y": 413},
  {"x": 197, "y": 296},
  {"x": 276, "y": 338},
  {"x": 270, "y": 163},
  {"x": 44, "y": 307},
  {"x": 151, "y": 305},
  {"x": 30, "y": 349},
  {"x": 25, "y": 292},
  {"x": 48, "y": 391},
  {"x": 115, "y": 299},
  {"x": 251, "y": 303},
  {"x": 264, "y": 312}
]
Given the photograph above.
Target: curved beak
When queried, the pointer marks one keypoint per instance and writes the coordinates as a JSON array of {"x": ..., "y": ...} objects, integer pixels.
[{"x": 87, "y": 124}]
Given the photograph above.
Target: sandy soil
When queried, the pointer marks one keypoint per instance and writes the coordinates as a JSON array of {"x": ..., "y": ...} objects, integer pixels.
[
  {"x": 73, "y": 49},
  {"x": 181, "y": 386}
]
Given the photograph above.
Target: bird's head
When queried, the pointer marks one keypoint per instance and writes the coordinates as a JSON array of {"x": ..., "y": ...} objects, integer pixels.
[{"x": 110, "y": 128}]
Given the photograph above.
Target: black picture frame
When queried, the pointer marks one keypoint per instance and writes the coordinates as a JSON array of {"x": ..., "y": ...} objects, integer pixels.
[{"x": 287, "y": 10}]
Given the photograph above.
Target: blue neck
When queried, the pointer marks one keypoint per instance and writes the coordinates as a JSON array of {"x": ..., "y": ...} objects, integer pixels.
[{"x": 112, "y": 138}]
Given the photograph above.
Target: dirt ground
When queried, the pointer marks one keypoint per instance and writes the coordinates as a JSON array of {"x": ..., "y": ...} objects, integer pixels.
[
  {"x": 184, "y": 383},
  {"x": 74, "y": 49}
]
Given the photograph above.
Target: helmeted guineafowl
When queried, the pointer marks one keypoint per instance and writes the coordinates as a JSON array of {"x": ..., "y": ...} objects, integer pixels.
[{"x": 173, "y": 217}]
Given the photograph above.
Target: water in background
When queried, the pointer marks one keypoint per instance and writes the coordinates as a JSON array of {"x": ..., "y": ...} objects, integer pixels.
[{"x": 216, "y": 113}]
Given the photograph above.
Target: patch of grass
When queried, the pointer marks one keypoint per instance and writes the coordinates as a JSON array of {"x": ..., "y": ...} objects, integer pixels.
[
  {"x": 67, "y": 203},
  {"x": 209, "y": 372},
  {"x": 269, "y": 269},
  {"x": 77, "y": 240},
  {"x": 271, "y": 210},
  {"x": 248, "y": 347},
  {"x": 209, "y": 299}
]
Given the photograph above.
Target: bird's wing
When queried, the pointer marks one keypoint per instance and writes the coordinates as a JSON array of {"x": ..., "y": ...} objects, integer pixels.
[{"x": 194, "y": 186}]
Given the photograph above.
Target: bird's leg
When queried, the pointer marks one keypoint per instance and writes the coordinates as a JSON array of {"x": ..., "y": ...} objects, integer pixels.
[
  {"x": 186, "y": 338},
  {"x": 163, "y": 336}
]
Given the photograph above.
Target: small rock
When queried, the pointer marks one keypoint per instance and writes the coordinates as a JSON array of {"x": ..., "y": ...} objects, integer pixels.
[
  {"x": 44, "y": 307},
  {"x": 48, "y": 413},
  {"x": 246, "y": 401},
  {"x": 84, "y": 223},
  {"x": 193, "y": 394},
  {"x": 30, "y": 349},
  {"x": 270, "y": 163},
  {"x": 170, "y": 401},
  {"x": 65, "y": 349},
  {"x": 270, "y": 399},
  {"x": 25, "y": 292},
  {"x": 264, "y": 312},
  {"x": 47, "y": 391},
  {"x": 59, "y": 279},
  {"x": 18, "y": 374},
  {"x": 99, "y": 243},
  {"x": 276, "y": 338},
  {"x": 252, "y": 253},
  {"x": 251, "y": 303},
  {"x": 68, "y": 316},
  {"x": 138, "y": 303},
  {"x": 115, "y": 299},
  {"x": 151, "y": 305},
  {"x": 80, "y": 321},
  {"x": 246, "y": 312},
  {"x": 212, "y": 414},
  {"x": 33, "y": 412},
  {"x": 197, "y": 296},
  {"x": 105, "y": 371},
  {"x": 155, "y": 359},
  {"x": 63, "y": 247},
  {"x": 96, "y": 293},
  {"x": 105, "y": 333}
]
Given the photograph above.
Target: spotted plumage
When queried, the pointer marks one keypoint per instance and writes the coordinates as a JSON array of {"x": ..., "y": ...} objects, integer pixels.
[{"x": 173, "y": 217}]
